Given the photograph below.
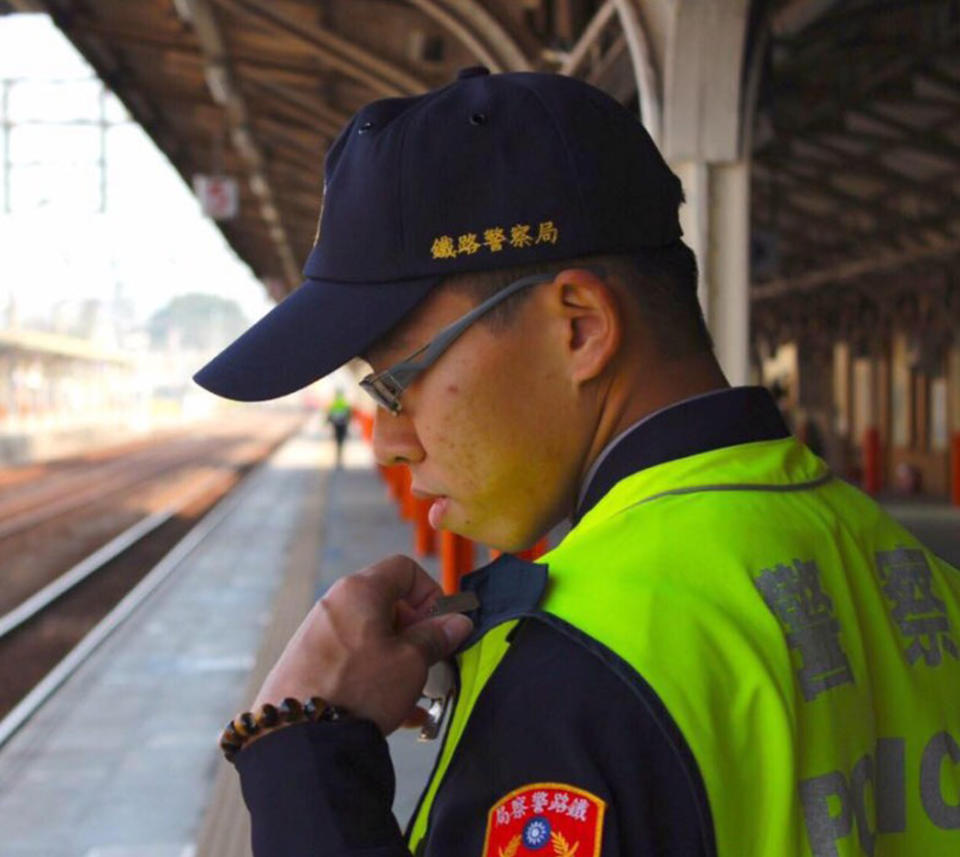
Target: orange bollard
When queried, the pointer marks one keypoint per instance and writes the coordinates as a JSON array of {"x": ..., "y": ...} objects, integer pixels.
[
  {"x": 955, "y": 469},
  {"x": 408, "y": 502},
  {"x": 367, "y": 427},
  {"x": 456, "y": 559},
  {"x": 534, "y": 552},
  {"x": 393, "y": 476},
  {"x": 398, "y": 483},
  {"x": 424, "y": 536},
  {"x": 467, "y": 556},
  {"x": 872, "y": 480},
  {"x": 449, "y": 573}
]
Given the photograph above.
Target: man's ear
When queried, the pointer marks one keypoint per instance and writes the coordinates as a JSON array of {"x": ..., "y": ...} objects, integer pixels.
[{"x": 593, "y": 321}]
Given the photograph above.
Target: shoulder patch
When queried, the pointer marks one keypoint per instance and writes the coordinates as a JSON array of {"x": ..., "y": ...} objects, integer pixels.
[{"x": 546, "y": 819}]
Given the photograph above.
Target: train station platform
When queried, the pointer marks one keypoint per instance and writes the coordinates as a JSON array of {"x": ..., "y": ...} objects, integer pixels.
[
  {"x": 936, "y": 524},
  {"x": 122, "y": 761}
]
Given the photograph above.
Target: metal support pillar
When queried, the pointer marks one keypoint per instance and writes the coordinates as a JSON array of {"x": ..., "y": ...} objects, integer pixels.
[
  {"x": 688, "y": 60},
  {"x": 104, "y": 127},
  {"x": 867, "y": 420},
  {"x": 716, "y": 225},
  {"x": 953, "y": 392},
  {"x": 6, "y": 125}
]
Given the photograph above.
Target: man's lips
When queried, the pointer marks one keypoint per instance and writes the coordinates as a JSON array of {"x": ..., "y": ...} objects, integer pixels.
[
  {"x": 437, "y": 508},
  {"x": 424, "y": 495}
]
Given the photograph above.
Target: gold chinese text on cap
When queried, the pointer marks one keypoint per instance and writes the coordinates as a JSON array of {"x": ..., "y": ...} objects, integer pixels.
[{"x": 494, "y": 239}]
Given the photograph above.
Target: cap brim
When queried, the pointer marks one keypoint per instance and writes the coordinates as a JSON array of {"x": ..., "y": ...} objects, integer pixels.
[{"x": 313, "y": 331}]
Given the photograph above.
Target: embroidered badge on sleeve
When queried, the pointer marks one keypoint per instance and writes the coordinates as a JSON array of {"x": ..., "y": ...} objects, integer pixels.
[{"x": 546, "y": 819}]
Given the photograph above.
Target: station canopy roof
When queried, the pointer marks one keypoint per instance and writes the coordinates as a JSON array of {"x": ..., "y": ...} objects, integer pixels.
[
  {"x": 856, "y": 173},
  {"x": 855, "y": 133},
  {"x": 43, "y": 344}
]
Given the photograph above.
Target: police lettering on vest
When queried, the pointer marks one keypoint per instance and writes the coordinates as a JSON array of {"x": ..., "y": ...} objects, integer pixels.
[{"x": 835, "y": 803}]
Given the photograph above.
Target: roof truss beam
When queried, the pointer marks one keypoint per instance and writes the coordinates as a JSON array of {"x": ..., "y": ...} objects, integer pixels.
[
  {"x": 876, "y": 263},
  {"x": 215, "y": 52},
  {"x": 308, "y": 111},
  {"x": 839, "y": 159},
  {"x": 381, "y": 76},
  {"x": 479, "y": 31}
]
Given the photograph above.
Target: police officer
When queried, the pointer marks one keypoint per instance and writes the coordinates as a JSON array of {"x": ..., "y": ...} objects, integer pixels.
[
  {"x": 732, "y": 652},
  {"x": 338, "y": 415}
]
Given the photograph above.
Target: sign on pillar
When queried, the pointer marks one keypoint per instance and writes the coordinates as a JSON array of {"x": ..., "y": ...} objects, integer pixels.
[{"x": 219, "y": 196}]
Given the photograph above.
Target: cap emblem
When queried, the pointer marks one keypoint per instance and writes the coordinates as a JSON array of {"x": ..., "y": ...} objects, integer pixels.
[{"x": 494, "y": 240}]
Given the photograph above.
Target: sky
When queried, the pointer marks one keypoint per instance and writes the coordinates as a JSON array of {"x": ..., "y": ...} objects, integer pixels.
[{"x": 152, "y": 241}]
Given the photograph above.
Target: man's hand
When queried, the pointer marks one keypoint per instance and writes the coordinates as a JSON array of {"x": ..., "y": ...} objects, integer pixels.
[{"x": 367, "y": 644}]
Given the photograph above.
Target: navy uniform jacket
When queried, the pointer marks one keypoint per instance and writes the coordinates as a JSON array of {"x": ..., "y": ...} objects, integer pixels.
[{"x": 560, "y": 708}]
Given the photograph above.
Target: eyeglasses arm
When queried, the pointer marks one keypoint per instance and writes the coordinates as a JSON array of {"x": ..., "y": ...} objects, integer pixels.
[{"x": 402, "y": 373}]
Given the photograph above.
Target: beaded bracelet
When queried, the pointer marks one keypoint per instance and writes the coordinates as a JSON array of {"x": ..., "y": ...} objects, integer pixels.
[{"x": 244, "y": 726}]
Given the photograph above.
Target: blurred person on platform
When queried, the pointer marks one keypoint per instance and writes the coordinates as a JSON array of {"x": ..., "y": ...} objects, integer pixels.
[{"x": 338, "y": 416}]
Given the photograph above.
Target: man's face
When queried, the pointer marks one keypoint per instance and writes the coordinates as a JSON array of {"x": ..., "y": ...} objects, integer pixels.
[{"x": 492, "y": 428}]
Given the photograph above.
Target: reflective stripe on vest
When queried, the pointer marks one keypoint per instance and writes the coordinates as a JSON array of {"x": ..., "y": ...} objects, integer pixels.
[{"x": 804, "y": 643}]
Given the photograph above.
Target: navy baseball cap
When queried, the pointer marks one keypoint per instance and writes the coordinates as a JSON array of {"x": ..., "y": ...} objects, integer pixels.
[{"x": 490, "y": 171}]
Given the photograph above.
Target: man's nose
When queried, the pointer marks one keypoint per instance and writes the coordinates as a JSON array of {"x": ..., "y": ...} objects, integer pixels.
[{"x": 395, "y": 439}]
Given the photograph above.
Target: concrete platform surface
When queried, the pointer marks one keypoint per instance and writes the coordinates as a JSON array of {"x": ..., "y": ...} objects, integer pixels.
[
  {"x": 937, "y": 525},
  {"x": 119, "y": 762}
]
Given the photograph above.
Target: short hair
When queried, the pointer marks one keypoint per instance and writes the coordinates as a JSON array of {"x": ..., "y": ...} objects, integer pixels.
[{"x": 661, "y": 281}]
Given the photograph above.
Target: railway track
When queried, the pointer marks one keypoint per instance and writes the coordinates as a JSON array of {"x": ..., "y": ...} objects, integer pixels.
[
  {"x": 47, "y": 633},
  {"x": 52, "y": 524},
  {"x": 28, "y": 509}
]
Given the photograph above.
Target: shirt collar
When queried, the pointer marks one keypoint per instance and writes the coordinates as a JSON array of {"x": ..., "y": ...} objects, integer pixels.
[
  {"x": 606, "y": 450},
  {"x": 701, "y": 423},
  {"x": 507, "y": 588}
]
